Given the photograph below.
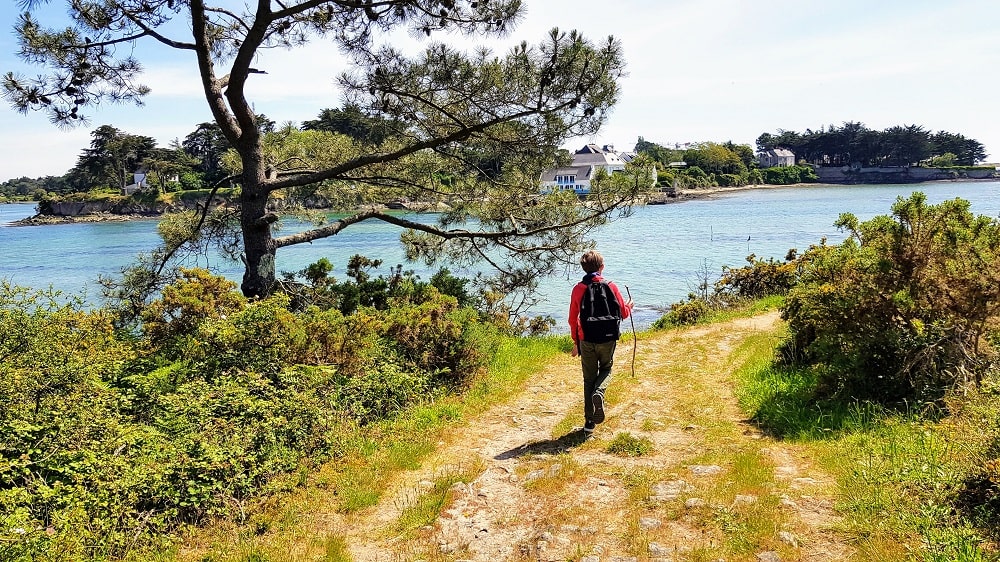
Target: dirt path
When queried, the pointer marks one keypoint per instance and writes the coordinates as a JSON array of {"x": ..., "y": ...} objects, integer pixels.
[{"x": 709, "y": 487}]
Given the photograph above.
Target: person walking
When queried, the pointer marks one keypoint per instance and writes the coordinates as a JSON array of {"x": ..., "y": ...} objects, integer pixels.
[{"x": 596, "y": 309}]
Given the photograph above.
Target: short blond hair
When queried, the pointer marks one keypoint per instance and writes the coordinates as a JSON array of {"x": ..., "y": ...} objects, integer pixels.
[{"x": 592, "y": 261}]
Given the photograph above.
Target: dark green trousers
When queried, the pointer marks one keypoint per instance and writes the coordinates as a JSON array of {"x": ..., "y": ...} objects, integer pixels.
[{"x": 597, "y": 359}]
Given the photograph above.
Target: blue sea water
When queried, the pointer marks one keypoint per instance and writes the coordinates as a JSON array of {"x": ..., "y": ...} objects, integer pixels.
[{"x": 657, "y": 252}]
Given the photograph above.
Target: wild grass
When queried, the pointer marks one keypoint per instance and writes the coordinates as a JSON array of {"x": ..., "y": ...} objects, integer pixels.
[
  {"x": 425, "y": 508},
  {"x": 639, "y": 482},
  {"x": 625, "y": 444},
  {"x": 335, "y": 550},
  {"x": 751, "y": 517},
  {"x": 900, "y": 472},
  {"x": 547, "y": 476}
]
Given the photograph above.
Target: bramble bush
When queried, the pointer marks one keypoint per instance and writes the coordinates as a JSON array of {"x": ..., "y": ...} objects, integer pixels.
[{"x": 905, "y": 308}]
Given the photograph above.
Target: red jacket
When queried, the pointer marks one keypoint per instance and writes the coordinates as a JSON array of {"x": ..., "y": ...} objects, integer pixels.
[{"x": 574, "y": 306}]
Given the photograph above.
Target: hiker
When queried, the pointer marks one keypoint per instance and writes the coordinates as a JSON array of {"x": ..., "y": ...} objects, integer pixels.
[{"x": 596, "y": 309}]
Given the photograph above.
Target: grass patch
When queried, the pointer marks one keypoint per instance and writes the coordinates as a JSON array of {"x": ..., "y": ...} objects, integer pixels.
[
  {"x": 547, "y": 478},
  {"x": 427, "y": 506},
  {"x": 751, "y": 472},
  {"x": 900, "y": 475},
  {"x": 625, "y": 444},
  {"x": 639, "y": 483},
  {"x": 751, "y": 516},
  {"x": 781, "y": 400},
  {"x": 335, "y": 550},
  {"x": 567, "y": 425}
]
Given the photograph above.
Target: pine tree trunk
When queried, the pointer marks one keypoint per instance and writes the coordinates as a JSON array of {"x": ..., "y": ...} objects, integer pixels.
[{"x": 258, "y": 245}]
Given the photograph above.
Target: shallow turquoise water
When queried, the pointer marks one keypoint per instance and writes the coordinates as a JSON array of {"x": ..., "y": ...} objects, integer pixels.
[{"x": 657, "y": 252}]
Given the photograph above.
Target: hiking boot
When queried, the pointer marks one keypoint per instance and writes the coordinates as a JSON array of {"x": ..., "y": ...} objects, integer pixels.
[
  {"x": 588, "y": 427},
  {"x": 598, "y": 400}
]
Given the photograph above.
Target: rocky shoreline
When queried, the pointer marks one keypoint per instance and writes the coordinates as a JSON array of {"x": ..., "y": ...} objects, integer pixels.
[
  {"x": 40, "y": 219},
  {"x": 92, "y": 215}
]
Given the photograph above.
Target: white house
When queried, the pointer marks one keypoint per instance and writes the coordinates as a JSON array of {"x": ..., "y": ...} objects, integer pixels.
[
  {"x": 139, "y": 182},
  {"x": 586, "y": 161},
  {"x": 775, "y": 157}
]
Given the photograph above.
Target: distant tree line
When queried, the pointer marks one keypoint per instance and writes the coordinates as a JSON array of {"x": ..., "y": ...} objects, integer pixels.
[
  {"x": 712, "y": 164},
  {"x": 855, "y": 144},
  {"x": 196, "y": 162}
]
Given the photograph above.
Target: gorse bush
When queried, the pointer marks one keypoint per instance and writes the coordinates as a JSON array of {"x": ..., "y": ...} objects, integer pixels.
[
  {"x": 110, "y": 440},
  {"x": 761, "y": 278},
  {"x": 262, "y": 337},
  {"x": 194, "y": 298},
  {"x": 902, "y": 309},
  {"x": 684, "y": 313}
]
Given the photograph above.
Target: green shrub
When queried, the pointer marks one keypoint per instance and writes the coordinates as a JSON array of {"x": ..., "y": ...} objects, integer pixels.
[
  {"x": 110, "y": 442},
  {"x": 731, "y": 180},
  {"x": 787, "y": 175},
  {"x": 902, "y": 308},
  {"x": 435, "y": 336},
  {"x": 263, "y": 337},
  {"x": 760, "y": 278},
  {"x": 665, "y": 178},
  {"x": 188, "y": 302},
  {"x": 191, "y": 181},
  {"x": 684, "y": 313},
  {"x": 382, "y": 390},
  {"x": 348, "y": 342}
]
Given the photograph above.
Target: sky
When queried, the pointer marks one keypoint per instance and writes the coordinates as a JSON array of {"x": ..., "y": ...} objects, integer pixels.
[{"x": 698, "y": 70}]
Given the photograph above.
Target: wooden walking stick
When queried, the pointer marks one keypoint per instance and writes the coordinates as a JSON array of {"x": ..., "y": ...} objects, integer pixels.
[{"x": 631, "y": 321}]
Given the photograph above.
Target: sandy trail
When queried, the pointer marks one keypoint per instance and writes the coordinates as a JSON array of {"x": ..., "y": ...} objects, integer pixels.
[{"x": 541, "y": 491}]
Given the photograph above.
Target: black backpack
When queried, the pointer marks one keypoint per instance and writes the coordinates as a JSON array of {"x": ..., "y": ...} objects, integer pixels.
[{"x": 600, "y": 312}]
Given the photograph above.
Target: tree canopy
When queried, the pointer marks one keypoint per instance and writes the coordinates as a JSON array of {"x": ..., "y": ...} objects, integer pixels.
[
  {"x": 854, "y": 143},
  {"x": 113, "y": 155},
  {"x": 448, "y": 111}
]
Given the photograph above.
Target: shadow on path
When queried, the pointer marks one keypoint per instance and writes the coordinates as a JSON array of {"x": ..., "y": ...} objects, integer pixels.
[{"x": 546, "y": 447}]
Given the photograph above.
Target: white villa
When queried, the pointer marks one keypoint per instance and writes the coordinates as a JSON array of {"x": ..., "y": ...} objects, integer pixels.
[
  {"x": 138, "y": 183},
  {"x": 586, "y": 162}
]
